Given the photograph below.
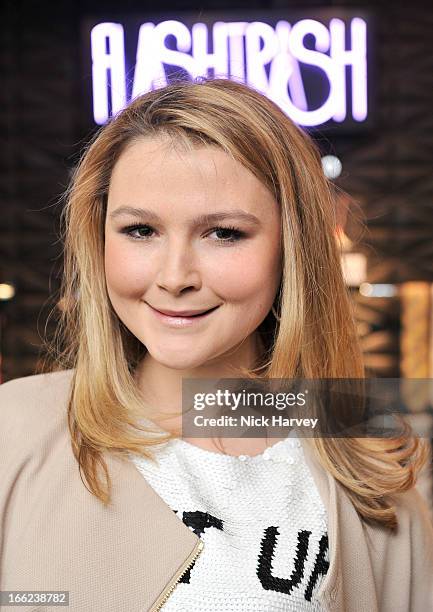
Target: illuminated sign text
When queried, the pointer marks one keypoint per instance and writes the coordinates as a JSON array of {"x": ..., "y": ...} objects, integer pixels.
[{"x": 272, "y": 59}]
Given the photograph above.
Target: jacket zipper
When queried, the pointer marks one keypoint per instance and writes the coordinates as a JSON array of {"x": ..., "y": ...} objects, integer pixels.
[{"x": 185, "y": 567}]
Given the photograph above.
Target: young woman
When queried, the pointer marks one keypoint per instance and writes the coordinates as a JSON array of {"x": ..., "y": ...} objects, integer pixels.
[{"x": 200, "y": 243}]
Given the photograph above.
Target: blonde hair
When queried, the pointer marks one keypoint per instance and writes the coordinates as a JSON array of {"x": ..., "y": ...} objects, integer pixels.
[{"x": 314, "y": 335}]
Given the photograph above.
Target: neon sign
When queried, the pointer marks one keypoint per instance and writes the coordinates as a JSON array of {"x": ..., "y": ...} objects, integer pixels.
[{"x": 288, "y": 61}]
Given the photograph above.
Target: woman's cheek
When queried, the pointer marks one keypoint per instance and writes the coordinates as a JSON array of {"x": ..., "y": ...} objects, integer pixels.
[
  {"x": 124, "y": 271},
  {"x": 248, "y": 277}
]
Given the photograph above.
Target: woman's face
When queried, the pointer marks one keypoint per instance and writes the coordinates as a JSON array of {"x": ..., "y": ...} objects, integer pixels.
[{"x": 189, "y": 231}]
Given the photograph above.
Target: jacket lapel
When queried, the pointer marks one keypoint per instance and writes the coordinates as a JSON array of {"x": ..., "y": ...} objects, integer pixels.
[
  {"x": 349, "y": 583},
  {"x": 154, "y": 543}
]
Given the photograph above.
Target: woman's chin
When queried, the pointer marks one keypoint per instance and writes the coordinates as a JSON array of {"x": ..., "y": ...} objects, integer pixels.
[{"x": 178, "y": 361}]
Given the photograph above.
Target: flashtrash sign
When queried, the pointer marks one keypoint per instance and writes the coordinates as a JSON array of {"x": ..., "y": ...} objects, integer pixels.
[{"x": 315, "y": 70}]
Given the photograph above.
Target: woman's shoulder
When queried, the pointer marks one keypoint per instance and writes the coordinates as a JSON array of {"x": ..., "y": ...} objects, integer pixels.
[
  {"x": 36, "y": 388},
  {"x": 412, "y": 510},
  {"x": 26, "y": 403}
]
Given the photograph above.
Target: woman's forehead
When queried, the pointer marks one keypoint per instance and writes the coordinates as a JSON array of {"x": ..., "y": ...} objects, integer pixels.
[{"x": 150, "y": 171}]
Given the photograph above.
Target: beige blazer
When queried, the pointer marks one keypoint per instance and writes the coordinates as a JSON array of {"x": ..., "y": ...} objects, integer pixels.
[{"x": 55, "y": 535}]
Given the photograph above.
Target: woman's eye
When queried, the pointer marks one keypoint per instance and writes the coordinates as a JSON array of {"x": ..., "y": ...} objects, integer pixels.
[
  {"x": 143, "y": 231},
  {"x": 228, "y": 234}
]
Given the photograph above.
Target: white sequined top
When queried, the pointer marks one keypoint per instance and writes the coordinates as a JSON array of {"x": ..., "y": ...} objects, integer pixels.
[{"x": 262, "y": 522}]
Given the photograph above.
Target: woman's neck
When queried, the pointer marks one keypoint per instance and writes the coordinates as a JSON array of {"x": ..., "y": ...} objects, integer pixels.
[{"x": 161, "y": 386}]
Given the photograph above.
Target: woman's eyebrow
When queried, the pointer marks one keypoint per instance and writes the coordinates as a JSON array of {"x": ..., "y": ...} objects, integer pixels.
[{"x": 141, "y": 213}]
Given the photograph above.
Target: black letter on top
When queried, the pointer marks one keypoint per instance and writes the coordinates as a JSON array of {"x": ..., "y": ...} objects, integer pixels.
[{"x": 264, "y": 571}]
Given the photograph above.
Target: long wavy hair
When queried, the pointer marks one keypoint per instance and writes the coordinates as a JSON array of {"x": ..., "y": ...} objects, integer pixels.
[{"x": 310, "y": 332}]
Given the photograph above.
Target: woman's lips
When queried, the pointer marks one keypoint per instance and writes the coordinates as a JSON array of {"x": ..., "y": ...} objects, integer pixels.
[{"x": 182, "y": 321}]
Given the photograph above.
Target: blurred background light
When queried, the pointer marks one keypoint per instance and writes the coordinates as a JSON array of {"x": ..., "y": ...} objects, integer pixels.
[
  {"x": 332, "y": 166},
  {"x": 7, "y": 292},
  {"x": 377, "y": 290}
]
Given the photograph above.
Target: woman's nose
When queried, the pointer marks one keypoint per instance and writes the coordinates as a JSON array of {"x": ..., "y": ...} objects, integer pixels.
[{"x": 178, "y": 269}]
